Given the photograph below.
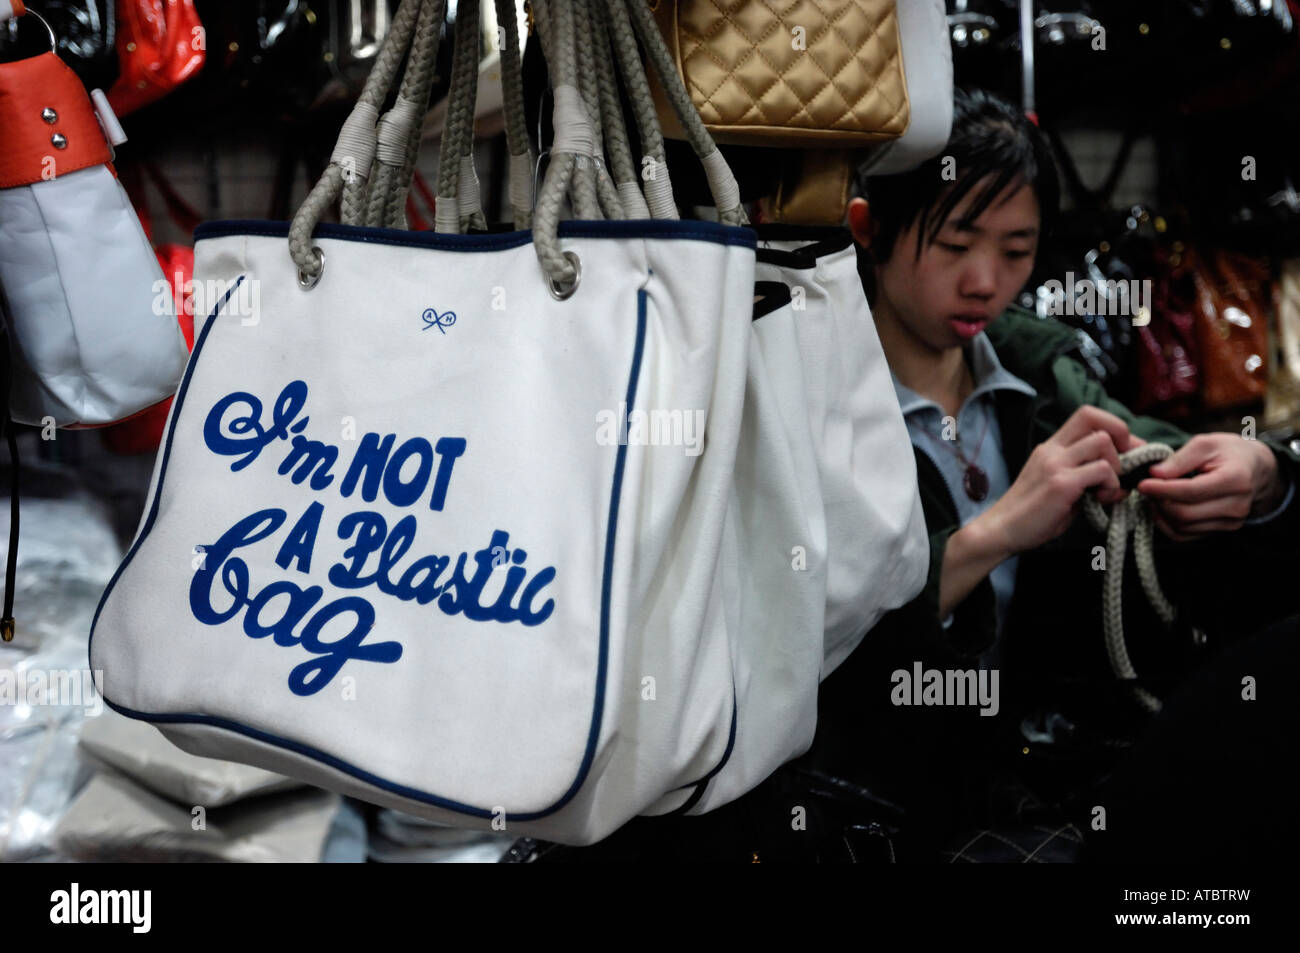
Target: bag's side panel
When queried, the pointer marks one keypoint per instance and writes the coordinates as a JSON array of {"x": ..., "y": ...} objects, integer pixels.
[
  {"x": 94, "y": 320},
  {"x": 880, "y": 550},
  {"x": 777, "y": 534},
  {"x": 680, "y": 702}
]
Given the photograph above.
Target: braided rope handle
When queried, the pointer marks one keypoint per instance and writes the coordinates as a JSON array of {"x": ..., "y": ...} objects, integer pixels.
[
  {"x": 453, "y": 209},
  {"x": 428, "y": 44},
  {"x": 658, "y": 184},
  {"x": 350, "y": 163},
  {"x": 611, "y": 206},
  {"x": 722, "y": 184},
  {"x": 1130, "y": 515},
  {"x": 512, "y": 95},
  {"x": 574, "y": 141},
  {"x": 398, "y": 130},
  {"x": 623, "y": 168}
]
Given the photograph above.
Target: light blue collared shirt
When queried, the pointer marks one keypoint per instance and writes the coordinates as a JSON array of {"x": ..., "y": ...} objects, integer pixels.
[{"x": 978, "y": 437}]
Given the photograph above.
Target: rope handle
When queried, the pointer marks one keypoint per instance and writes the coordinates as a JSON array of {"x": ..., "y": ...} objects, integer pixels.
[
  {"x": 722, "y": 183},
  {"x": 354, "y": 152},
  {"x": 574, "y": 140},
  {"x": 654, "y": 164},
  {"x": 520, "y": 171},
  {"x": 398, "y": 130},
  {"x": 611, "y": 205},
  {"x": 623, "y": 168},
  {"x": 1132, "y": 515},
  {"x": 458, "y": 200}
]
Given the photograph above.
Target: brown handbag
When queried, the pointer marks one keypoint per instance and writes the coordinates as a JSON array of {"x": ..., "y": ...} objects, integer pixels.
[
  {"x": 814, "y": 188},
  {"x": 793, "y": 74},
  {"x": 1232, "y": 305}
]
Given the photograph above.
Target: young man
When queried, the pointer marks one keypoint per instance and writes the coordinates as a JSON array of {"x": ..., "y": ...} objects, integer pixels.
[{"x": 1010, "y": 432}]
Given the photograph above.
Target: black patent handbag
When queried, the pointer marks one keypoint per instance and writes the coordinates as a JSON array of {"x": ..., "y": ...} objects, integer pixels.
[{"x": 84, "y": 30}]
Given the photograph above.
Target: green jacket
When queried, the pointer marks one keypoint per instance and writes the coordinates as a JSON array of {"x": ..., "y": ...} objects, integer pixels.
[{"x": 1052, "y": 650}]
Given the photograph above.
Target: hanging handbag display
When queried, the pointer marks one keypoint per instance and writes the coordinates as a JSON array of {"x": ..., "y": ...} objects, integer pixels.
[
  {"x": 92, "y": 340},
  {"x": 1232, "y": 328},
  {"x": 1168, "y": 358},
  {"x": 467, "y": 585},
  {"x": 927, "y": 69},
  {"x": 161, "y": 44},
  {"x": 85, "y": 35},
  {"x": 816, "y": 184},
  {"x": 808, "y": 75},
  {"x": 264, "y": 56}
]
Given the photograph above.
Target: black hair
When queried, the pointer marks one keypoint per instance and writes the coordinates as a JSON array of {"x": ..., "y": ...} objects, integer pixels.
[{"x": 993, "y": 145}]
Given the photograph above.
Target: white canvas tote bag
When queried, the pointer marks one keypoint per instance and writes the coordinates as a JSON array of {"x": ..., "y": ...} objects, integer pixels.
[
  {"x": 774, "y": 560},
  {"x": 774, "y": 546},
  {"x": 878, "y": 548},
  {"x": 404, "y": 539}
]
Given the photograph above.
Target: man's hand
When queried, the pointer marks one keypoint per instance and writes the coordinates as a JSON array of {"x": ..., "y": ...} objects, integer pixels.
[{"x": 1235, "y": 480}]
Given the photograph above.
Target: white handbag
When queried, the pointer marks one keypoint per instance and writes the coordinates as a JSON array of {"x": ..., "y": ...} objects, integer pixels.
[
  {"x": 927, "y": 65},
  {"x": 94, "y": 338},
  {"x": 878, "y": 549},
  {"x": 409, "y": 537},
  {"x": 774, "y": 559}
]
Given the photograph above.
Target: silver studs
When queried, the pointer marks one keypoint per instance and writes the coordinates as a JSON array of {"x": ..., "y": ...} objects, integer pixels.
[
  {"x": 59, "y": 140},
  {"x": 49, "y": 115}
]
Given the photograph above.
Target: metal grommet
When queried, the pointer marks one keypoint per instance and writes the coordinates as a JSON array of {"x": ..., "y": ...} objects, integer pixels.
[
  {"x": 49, "y": 115},
  {"x": 305, "y": 281},
  {"x": 59, "y": 140},
  {"x": 561, "y": 292}
]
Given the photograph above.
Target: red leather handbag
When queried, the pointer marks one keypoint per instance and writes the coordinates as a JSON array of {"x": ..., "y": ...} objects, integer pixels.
[
  {"x": 1169, "y": 373},
  {"x": 160, "y": 44}
]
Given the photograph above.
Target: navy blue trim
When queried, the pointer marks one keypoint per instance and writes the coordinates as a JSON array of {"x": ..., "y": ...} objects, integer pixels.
[
  {"x": 703, "y": 782},
  {"x": 639, "y": 228},
  {"x": 693, "y": 800},
  {"x": 337, "y": 763}
]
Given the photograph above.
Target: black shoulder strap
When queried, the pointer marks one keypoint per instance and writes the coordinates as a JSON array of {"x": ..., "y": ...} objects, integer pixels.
[{"x": 11, "y": 565}]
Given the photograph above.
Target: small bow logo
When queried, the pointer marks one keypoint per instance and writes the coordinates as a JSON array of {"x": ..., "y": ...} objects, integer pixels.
[{"x": 432, "y": 319}]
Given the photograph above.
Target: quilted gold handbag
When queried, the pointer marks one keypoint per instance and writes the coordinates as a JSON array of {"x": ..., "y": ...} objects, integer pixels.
[{"x": 792, "y": 73}]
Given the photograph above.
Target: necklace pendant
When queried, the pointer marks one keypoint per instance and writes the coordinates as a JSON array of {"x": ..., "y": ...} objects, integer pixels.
[{"x": 975, "y": 483}]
